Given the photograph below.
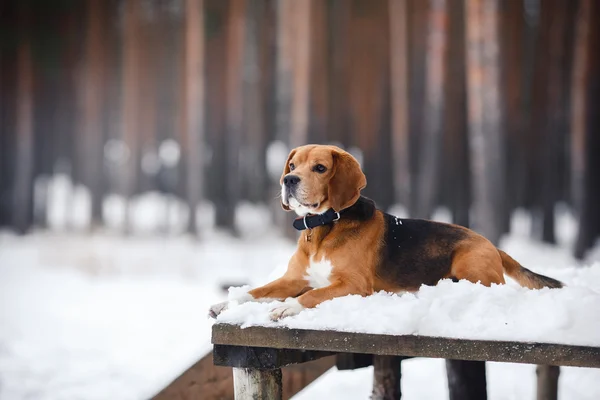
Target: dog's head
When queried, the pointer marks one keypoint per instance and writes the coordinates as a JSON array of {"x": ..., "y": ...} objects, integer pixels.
[{"x": 316, "y": 178}]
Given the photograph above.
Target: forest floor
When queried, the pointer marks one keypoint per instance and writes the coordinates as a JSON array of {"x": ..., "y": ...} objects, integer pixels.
[{"x": 103, "y": 316}]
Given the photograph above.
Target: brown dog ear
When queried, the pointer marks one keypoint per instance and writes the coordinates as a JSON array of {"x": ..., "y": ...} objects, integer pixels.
[
  {"x": 286, "y": 170},
  {"x": 347, "y": 181}
]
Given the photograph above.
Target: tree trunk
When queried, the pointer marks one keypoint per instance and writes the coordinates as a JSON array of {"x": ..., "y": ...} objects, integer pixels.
[
  {"x": 91, "y": 137},
  {"x": 318, "y": 97},
  {"x": 236, "y": 31},
  {"x": 513, "y": 47},
  {"x": 589, "y": 220},
  {"x": 580, "y": 79},
  {"x": 400, "y": 99},
  {"x": 253, "y": 165},
  {"x": 428, "y": 177},
  {"x": 301, "y": 20},
  {"x": 131, "y": 99},
  {"x": 554, "y": 116},
  {"x": 23, "y": 183},
  {"x": 193, "y": 107},
  {"x": 369, "y": 90},
  {"x": 484, "y": 115},
  {"x": 292, "y": 17},
  {"x": 455, "y": 158}
]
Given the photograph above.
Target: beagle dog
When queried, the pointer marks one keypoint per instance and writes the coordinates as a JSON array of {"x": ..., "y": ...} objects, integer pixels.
[{"x": 348, "y": 246}]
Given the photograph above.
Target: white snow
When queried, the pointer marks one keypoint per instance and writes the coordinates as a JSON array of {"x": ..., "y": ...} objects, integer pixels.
[
  {"x": 458, "y": 310},
  {"x": 425, "y": 378},
  {"x": 108, "y": 317},
  {"x": 277, "y": 153}
]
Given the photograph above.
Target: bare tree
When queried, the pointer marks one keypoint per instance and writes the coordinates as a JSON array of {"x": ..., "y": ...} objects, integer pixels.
[
  {"x": 193, "y": 106},
  {"x": 23, "y": 184},
  {"x": 485, "y": 115},
  {"x": 400, "y": 99},
  {"x": 433, "y": 111}
]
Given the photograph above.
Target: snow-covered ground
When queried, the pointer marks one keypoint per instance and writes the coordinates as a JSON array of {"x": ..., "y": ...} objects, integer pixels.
[
  {"x": 108, "y": 317},
  {"x": 425, "y": 379}
]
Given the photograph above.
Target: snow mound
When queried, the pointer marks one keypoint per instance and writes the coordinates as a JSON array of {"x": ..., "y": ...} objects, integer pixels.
[{"x": 457, "y": 310}]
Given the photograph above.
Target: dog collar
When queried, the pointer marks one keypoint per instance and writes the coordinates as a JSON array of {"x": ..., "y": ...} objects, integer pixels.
[{"x": 314, "y": 220}]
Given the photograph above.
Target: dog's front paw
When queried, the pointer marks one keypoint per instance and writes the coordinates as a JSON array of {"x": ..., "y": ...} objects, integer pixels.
[
  {"x": 289, "y": 308},
  {"x": 217, "y": 309}
]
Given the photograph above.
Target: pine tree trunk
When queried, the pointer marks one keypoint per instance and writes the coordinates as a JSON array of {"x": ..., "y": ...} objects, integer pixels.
[
  {"x": 428, "y": 177},
  {"x": 131, "y": 99},
  {"x": 484, "y": 115},
  {"x": 400, "y": 100},
  {"x": 193, "y": 106},
  {"x": 23, "y": 183}
]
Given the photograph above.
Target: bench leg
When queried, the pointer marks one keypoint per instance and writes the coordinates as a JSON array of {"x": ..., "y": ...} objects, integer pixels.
[
  {"x": 257, "y": 384},
  {"x": 386, "y": 379},
  {"x": 466, "y": 380},
  {"x": 547, "y": 382}
]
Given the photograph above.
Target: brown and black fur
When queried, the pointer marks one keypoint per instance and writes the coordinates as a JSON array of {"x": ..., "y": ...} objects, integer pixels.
[{"x": 416, "y": 252}]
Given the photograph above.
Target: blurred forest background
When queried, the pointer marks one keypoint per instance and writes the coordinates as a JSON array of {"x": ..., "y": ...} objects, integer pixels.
[{"x": 481, "y": 106}]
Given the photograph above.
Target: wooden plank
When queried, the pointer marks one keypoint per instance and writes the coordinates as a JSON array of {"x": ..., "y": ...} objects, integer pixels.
[
  {"x": 408, "y": 345},
  {"x": 206, "y": 381},
  {"x": 386, "y": 378},
  {"x": 257, "y": 384},
  {"x": 262, "y": 357},
  {"x": 346, "y": 361}
]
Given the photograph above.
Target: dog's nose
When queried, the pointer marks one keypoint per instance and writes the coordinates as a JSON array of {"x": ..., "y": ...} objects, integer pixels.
[{"x": 291, "y": 180}]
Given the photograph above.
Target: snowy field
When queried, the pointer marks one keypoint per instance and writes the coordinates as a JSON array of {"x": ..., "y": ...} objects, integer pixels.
[{"x": 107, "y": 317}]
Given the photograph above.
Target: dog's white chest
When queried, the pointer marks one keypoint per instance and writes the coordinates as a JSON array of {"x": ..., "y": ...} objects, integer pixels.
[{"x": 317, "y": 273}]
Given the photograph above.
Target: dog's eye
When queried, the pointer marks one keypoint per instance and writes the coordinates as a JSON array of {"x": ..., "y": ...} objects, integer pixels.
[
  {"x": 292, "y": 166},
  {"x": 320, "y": 168}
]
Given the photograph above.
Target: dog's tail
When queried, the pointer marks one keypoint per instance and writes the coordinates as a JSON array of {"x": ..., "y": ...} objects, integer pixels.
[{"x": 526, "y": 277}]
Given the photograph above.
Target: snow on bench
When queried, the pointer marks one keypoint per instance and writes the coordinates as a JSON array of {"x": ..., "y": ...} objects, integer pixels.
[
  {"x": 454, "y": 310},
  {"x": 461, "y": 321}
]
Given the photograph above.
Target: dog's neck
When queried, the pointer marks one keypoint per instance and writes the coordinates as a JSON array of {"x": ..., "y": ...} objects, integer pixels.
[{"x": 362, "y": 210}]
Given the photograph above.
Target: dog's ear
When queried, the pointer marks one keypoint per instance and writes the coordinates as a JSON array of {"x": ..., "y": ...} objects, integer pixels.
[
  {"x": 346, "y": 182},
  {"x": 286, "y": 170}
]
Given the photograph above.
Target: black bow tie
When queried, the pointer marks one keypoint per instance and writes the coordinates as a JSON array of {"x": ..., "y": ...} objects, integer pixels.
[{"x": 312, "y": 221}]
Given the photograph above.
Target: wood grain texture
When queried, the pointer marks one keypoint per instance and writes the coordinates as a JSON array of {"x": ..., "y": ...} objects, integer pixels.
[{"x": 408, "y": 345}]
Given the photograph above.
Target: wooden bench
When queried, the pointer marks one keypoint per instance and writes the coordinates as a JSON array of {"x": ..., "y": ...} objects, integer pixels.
[{"x": 258, "y": 353}]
